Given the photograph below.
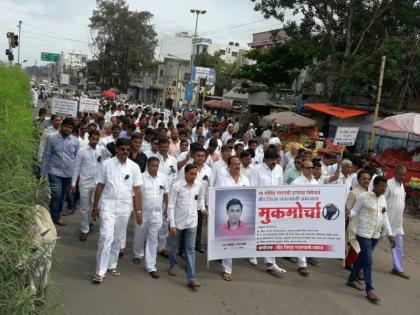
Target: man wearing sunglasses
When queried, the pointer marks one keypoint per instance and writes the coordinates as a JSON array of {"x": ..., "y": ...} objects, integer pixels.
[{"x": 118, "y": 180}]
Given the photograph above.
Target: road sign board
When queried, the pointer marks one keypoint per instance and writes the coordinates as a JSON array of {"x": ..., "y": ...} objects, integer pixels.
[
  {"x": 189, "y": 92},
  {"x": 50, "y": 57}
]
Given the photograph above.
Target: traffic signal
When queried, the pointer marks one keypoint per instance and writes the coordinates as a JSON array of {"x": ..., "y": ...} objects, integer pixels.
[
  {"x": 15, "y": 41},
  {"x": 9, "y": 55}
]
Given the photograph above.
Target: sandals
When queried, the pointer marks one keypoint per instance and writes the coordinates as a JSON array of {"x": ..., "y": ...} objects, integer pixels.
[
  {"x": 227, "y": 276},
  {"x": 114, "y": 272},
  {"x": 97, "y": 279}
]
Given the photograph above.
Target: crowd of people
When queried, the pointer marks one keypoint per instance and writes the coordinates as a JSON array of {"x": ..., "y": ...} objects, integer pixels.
[{"x": 159, "y": 164}]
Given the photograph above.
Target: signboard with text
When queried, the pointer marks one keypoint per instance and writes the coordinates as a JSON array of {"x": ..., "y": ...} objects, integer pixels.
[
  {"x": 89, "y": 105},
  {"x": 209, "y": 74},
  {"x": 285, "y": 221},
  {"x": 346, "y": 136},
  {"x": 50, "y": 57},
  {"x": 64, "y": 107}
]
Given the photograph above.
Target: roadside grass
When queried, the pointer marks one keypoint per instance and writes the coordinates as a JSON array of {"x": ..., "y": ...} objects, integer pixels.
[{"x": 19, "y": 190}]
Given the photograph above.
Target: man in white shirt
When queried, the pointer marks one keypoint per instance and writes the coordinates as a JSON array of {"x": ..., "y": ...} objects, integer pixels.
[
  {"x": 267, "y": 133},
  {"x": 168, "y": 167},
  {"x": 115, "y": 134},
  {"x": 344, "y": 177},
  {"x": 220, "y": 167},
  {"x": 205, "y": 176},
  {"x": 186, "y": 196},
  {"x": 395, "y": 200},
  {"x": 246, "y": 165},
  {"x": 87, "y": 166},
  {"x": 154, "y": 194},
  {"x": 363, "y": 178},
  {"x": 154, "y": 147},
  {"x": 268, "y": 173},
  {"x": 305, "y": 179},
  {"x": 227, "y": 134},
  {"x": 119, "y": 179},
  {"x": 232, "y": 179},
  {"x": 216, "y": 136},
  {"x": 371, "y": 210}
]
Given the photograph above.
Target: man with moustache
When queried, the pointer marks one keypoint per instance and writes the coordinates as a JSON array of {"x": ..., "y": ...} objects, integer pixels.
[{"x": 118, "y": 180}]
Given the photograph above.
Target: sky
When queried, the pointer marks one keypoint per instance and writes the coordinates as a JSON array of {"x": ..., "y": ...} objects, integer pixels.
[{"x": 62, "y": 25}]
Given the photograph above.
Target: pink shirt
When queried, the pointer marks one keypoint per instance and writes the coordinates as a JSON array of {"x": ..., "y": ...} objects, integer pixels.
[
  {"x": 244, "y": 229},
  {"x": 173, "y": 147}
]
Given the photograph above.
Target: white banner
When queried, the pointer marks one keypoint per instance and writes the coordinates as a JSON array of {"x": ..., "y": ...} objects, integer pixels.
[
  {"x": 286, "y": 221},
  {"x": 88, "y": 105},
  {"x": 64, "y": 107},
  {"x": 346, "y": 136}
]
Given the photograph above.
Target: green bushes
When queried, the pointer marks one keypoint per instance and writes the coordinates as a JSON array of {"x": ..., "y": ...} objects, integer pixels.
[{"x": 18, "y": 189}]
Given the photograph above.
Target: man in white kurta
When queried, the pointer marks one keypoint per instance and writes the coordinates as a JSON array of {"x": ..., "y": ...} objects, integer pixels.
[
  {"x": 87, "y": 167},
  {"x": 269, "y": 173},
  {"x": 168, "y": 167},
  {"x": 395, "y": 200},
  {"x": 305, "y": 179},
  {"x": 118, "y": 179},
  {"x": 233, "y": 179},
  {"x": 154, "y": 200}
]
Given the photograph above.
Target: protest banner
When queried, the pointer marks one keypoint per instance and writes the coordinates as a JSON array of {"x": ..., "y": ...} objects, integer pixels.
[
  {"x": 346, "y": 136},
  {"x": 64, "y": 107},
  {"x": 89, "y": 105},
  {"x": 286, "y": 221}
]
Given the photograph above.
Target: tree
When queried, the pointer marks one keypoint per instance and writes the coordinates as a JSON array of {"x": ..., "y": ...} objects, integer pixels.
[
  {"x": 124, "y": 40},
  {"x": 276, "y": 66},
  {"x": 344, "y": 35}
]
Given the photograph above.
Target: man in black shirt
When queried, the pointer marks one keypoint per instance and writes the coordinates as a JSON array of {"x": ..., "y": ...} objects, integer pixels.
[{"x": 135, "y": 154}]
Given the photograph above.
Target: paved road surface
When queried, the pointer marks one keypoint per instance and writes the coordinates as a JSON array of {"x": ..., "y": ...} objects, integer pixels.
[{"x": 252, "y": 291}]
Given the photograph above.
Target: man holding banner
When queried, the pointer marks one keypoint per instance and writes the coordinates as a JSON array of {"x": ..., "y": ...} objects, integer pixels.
[
  {"x": 233, "y": 208},
  {"x": 269, "y": 173}
]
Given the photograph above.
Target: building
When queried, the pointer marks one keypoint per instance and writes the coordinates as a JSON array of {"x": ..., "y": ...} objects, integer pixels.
[
  {"x": 268, "y": 38},
  {"x": 230, "y": 53},
  {"x": 163, "y": 82}
]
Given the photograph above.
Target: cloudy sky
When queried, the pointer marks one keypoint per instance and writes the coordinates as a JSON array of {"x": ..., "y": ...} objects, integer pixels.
[{"x": 62, "y": 25}]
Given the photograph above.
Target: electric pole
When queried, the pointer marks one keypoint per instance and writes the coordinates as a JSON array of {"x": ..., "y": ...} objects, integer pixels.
[{"x": 19, "y": 26}]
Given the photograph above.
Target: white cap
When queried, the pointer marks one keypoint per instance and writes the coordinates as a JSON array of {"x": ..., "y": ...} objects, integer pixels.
[
  {"x": 274, "y": 141},
  {"x": 251, "y": 124}
]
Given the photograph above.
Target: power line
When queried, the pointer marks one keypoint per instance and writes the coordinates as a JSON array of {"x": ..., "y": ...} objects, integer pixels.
[
  {"x": 57, "y": 37},
  {"x": 43, "y": 15}
]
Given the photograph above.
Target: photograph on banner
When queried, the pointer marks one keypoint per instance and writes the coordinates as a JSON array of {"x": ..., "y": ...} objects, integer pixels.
[
  {"x": 88, "y": 105},
  {"x": 235, "y": 214},
  {"x": 64, "y": 107},
  {"x": 284, "y": 221}
]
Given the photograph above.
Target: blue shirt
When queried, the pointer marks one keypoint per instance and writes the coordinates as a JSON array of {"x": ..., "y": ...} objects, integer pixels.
[{"x": 60, "y": 157}]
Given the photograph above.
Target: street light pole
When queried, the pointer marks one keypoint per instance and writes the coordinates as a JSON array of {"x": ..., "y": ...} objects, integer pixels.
[
  {"x": 197, "y": 12},
  {"x": 20, "y": 41}
]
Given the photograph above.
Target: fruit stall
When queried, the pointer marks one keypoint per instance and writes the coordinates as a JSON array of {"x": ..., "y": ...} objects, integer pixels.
[{"x": 392, "y": 157}]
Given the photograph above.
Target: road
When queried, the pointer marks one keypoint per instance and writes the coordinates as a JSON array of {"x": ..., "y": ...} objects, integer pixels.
[{"x": 252, "y": 291}]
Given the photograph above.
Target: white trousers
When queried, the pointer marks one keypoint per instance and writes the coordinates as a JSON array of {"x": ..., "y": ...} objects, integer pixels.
[
  {"x": 163, "y": 235},
  {"x": 86, "y": 202},
  {"x": 301, "y": 262},
  {"x": 112, "y": 231},
  {"x": 227, "y": 265},
  {"x": 146, "y": 239}
]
